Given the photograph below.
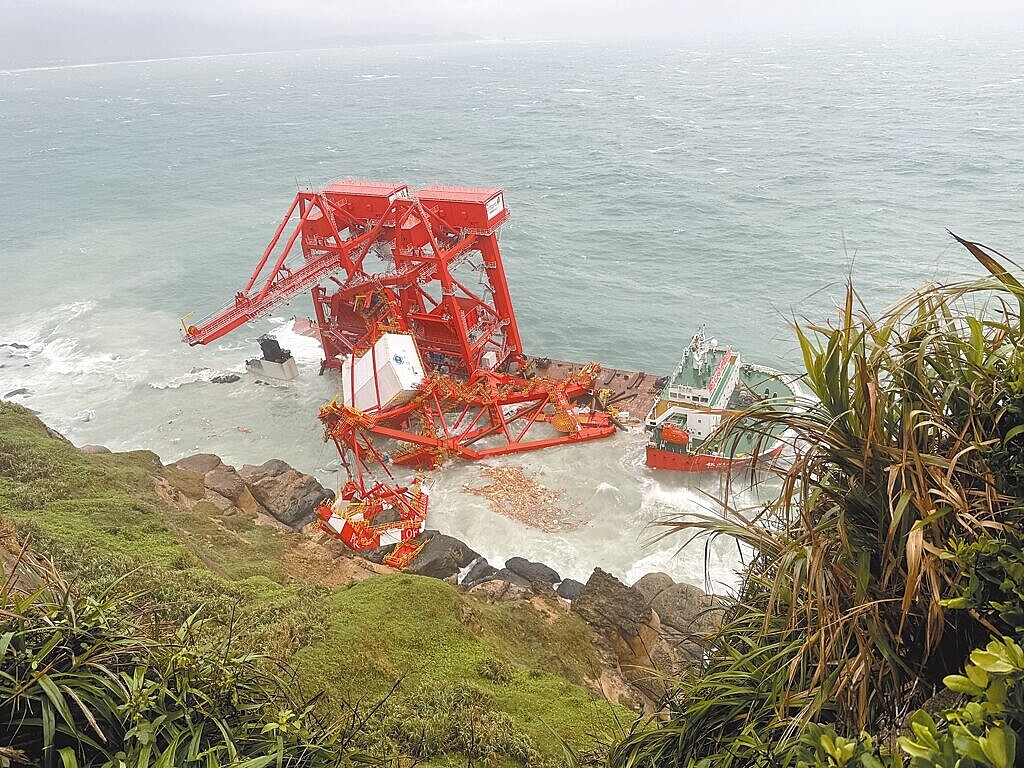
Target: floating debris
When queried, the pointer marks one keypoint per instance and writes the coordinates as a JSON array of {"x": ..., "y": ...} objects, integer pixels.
[{"x": 514, "y": 494}]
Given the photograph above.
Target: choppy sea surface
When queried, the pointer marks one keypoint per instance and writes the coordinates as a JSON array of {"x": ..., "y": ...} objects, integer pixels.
[{"x": 652, "y": 188}]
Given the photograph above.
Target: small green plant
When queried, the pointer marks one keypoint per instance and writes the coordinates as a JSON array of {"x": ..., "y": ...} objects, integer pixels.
[
  {"x": 438, "y": 719},
  {"x": 497, "y": 671},
  {"x": 80, "y": 685},
  {"x": 983, "y": 732},
  {"x": 992, "y": 581}
]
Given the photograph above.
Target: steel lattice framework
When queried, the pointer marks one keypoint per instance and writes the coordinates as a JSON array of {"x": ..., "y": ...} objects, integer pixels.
[{"x": 380, "y": 260}]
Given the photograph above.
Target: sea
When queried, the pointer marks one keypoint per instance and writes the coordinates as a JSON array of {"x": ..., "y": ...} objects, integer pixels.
[{"x": 654, "y": 187}]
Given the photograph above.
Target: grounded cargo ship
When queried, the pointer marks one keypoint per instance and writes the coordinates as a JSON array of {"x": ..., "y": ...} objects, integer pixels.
[{"x": 710, "y": 380}]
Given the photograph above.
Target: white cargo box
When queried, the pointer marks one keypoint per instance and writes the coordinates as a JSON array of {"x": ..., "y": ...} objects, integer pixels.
[{"x": 398, "y": 373}]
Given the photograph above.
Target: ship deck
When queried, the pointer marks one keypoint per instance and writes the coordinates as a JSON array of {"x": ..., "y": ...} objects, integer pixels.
[{"x": 633, "y": 391}]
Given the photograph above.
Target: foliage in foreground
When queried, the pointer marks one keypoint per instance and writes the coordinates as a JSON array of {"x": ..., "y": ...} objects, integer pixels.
[
  {"x": 81, "y": 685},
  {"x": 892, "y": 548}
]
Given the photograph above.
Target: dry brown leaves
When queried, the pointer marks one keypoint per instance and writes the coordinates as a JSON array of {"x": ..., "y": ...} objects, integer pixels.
[{"x": 514, "y": 494}]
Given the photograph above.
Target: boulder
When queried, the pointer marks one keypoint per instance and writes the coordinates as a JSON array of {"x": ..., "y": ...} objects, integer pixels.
[
  {"x": 652, "y": 584},
  {"x": 511, "y": 577},
  {"x": 17, "y": 392},
  {"x": 532, "y": 572},
  {"x": 442, "y": 556},
  {"x": 629, "y": 632},
  {"x": 687, "y": 609},
  {"x": 226, "y": 378},
  {"x": 480, "y": 572},
  {"x": 377, "y": 554},
  {"x": 611, "y": 607},
  {"x": 94, "y": 449},
  {"x": 271, "y": 468},
  {"x": 199, "y": 462},
  {"x": 224, "y": 480},
  {"x": 497, "y": 590},
  {"x": 285, "y": 493},
  {"x": 569, "y": 589}
]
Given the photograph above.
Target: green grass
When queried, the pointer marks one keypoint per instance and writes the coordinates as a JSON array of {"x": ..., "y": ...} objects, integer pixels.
[
  {"x": 434, "y": 634},
  {"x": 101, "y": 520}
]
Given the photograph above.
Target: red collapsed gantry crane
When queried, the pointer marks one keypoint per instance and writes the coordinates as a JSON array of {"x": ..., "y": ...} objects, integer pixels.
[{"x": 413, "y": 307}]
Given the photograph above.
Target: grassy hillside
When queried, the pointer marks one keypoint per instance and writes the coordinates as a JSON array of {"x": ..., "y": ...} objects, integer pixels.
[{"x": 516, "y": 670}]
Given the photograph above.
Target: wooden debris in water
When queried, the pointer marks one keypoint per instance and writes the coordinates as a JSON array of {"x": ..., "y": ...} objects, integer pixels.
[{"x": 514, "y": 494}]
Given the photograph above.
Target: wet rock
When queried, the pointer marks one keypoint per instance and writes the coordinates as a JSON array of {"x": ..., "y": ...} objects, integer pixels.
[
  {"x": 94, "y": 449},
  {"x": 480, "y": 572},
  {"x": 17, "y": 392},
  {"x": 225, "y": 378},
  {"x": 287, "y": 494},
  {"x": 199, "y": 462},
  {"x": 569, "y": 589},
  {"x": 532, "y": 572},
  {"x": 442, "y": 556},
  {"x": 14, "y": 345},
  {"x": 652, "y": 584},
  {"x": 377, "y": 554}
]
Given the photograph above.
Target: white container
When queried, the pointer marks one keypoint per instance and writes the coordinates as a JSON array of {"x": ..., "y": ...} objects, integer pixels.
[{"x": 387, "y": 375}]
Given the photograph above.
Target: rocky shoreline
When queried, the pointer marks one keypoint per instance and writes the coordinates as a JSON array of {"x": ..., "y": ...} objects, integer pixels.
[{"x": 646, "y": 631}]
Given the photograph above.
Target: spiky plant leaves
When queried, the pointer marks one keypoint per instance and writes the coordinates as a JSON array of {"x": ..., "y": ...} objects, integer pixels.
[{"x": 900, "y": 451}]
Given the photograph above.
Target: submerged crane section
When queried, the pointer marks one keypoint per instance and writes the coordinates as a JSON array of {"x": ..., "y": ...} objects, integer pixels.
[{"x": 413, "y": 308}]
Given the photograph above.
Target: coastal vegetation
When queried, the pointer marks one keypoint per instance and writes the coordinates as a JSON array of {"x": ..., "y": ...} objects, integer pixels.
[
  {"x": 135, "y": 631},
  {"x": 880, "y": 621}
]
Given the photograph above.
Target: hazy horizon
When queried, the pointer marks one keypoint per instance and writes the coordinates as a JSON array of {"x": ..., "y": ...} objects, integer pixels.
[{"x": 60, "y": 32}]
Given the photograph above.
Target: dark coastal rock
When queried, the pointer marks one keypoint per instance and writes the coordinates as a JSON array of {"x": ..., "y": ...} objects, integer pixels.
[
  {"x": 287, "y": 494},
  {"x": 14, "y": 345},
  {"x": 569, "y": 589},
  {"x": 511, "y": 577},
  {"x": 442, "y": 556},
  {"x": 94, "y": 449},
  {"x": 225, "y": 378},
  {"x": 199, "y": 462},
  {"x": 480, "y": 572},
  {"x": 377, "y": 554},
  {"x": 653, "y": 584},
  {"x": 16, "y": 392},
  {"x": 532, "y": 572},
  {"x": 607, "y": 604}
]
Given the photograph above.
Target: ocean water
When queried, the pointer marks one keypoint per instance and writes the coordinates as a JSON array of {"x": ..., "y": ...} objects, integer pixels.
[{"x": 652, "y": 188}]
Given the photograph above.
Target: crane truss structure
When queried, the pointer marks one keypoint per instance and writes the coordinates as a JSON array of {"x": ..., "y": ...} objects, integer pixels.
[{"x": 422, "y": 271}]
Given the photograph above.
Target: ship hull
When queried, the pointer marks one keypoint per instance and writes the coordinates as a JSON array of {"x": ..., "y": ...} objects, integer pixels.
[{"x": 701, "y": 462}]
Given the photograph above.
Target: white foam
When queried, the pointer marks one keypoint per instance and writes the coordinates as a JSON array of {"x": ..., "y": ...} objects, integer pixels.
[
  {"x": 193, "y": 376},
  {"x": 303, "y": 348}
]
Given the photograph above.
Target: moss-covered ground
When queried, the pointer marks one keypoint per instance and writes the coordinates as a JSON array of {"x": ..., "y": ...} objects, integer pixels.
[{"x": 101, "y": 519}]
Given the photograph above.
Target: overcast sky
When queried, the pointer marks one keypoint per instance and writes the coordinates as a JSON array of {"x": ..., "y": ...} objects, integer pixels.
[{"x": 34, "y": 31}]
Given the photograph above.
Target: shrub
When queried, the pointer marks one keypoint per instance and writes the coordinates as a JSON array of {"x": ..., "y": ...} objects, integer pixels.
[
  {"x": 437, "y": 719},
  {"x": 497, "y": 671},
  {"x": 80, "y": 684}
]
